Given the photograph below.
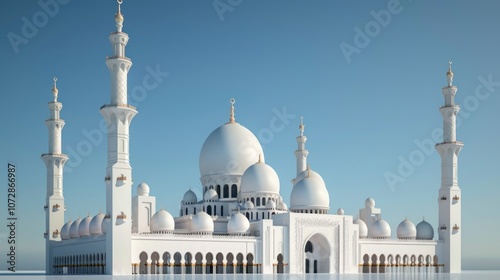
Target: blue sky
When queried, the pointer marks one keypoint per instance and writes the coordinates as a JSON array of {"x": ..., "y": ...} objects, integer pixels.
[{"x": 367, "y": 113}]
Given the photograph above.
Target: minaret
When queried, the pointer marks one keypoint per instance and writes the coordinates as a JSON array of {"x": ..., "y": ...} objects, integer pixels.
[
  {"x": 118, "y": 115},
  {"x": 449, "y": 193},
  {"x": 301, "y": 152},
  {"x": 54, "y": 161}
]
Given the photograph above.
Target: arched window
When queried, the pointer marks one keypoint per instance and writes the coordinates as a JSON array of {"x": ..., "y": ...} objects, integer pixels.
[
  {"x": 248, "y": 215},
  {"x": 211, "y": 186},
  {"x": 209, "y": 210},
  {"x": 186, "y": 210},
  {"x": 194, "y": 211},
  {"x": 218, "y": 190},
  {"x": 215, "y": 210},
  {"x": 251, "y": 215},
  {"x": 309, "y": 247},
  {"x": 262, "y": 215},
  {"x": 226, "y": 191},
  {"x": 264, "y": 201},
  {"x": 222, "y": 210},
  {"x": 252, "y": 200},
  {"x": 257, "y": 203},
  {"x": 234, "y": 191}
]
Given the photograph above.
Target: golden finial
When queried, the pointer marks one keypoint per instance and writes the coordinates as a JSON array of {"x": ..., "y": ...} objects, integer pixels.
[
  {"x": 449, "y": 74},
  {"x": 118, "y": 15},
  {"x": 231, "y": 112},
  {"x": 260, "y": 158},
  {"x": 308, "y": 170},
  {"x": 55, "y": 91},
  {"x": 301, "y": 126}
]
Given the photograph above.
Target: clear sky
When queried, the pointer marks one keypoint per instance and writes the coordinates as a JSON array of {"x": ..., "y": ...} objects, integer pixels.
[{"x": 366, "y": 76}]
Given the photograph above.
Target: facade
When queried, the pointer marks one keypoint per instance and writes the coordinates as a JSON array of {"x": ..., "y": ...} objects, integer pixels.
[{"x": 241, "y": 224}]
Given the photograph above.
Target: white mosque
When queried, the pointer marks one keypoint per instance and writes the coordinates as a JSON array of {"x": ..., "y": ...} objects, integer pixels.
[{"x": 241, "y": 225}]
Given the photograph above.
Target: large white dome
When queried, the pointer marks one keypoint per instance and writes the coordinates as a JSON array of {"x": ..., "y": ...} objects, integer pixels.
[
  {"x": 406, "y": 230},
  {"x": 73, "y": 229},
  {"x": 424, "y": 231},
  {"x": 65, "y": 230},
  {"x": 84, "y": 227},
  {"x": 95, "y": 224},
  {"x": 259, "y": 178},
  {"x": 162, "y": 221},
  {"x": 238, "y": 224},
  {"x": 380, "y": 229},
  {"x": 229, "y": 149},
  {"x": 363, "y": 229},
  {"x": 309, "y": 193},
  {"x": 202, "y": 223}
]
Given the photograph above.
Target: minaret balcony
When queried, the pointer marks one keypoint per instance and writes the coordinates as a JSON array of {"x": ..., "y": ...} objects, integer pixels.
[
  {"x": 56, "y": 207},
  {"x": 443, "y": 227},
  {"x": 118, "y": 57},
  {"x": 56, "y": 233},
  {"x": 456, "y": 197},
  {"x": 456, "y": 227}
]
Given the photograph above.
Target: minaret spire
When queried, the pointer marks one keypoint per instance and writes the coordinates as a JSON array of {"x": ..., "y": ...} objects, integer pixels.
[
  {"x": 231, "y": 111},
  {"x": 55, "y": 91},
  {"x": 118, "y": 115},
  {"x": 54, "y": 161},
  {"x": 449, "y": 193},
  {"x": 301, "y": 152},
  {"x": 119, "y": 17}
]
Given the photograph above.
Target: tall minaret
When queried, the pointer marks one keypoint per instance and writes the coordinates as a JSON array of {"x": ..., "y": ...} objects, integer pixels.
[
  {"x": 449, "y": 193},
  {"x": 54, "y": 161},
  {"x": 301, "y": 152},
  {"x": 118, "y": 115}
]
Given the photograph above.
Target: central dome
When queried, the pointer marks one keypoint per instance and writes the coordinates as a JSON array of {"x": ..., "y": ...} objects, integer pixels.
[{"x": 229, "y": 149}]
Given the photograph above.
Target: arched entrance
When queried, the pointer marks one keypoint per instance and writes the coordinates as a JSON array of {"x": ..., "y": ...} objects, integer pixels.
[{"x": 317, "y": 254}]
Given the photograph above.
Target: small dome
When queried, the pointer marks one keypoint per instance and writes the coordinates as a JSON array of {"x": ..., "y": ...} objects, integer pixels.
[
  {"x": 143, "y": 189},
  {"x": 380, "y": 229},
  {"x": 406, "y": 230},
  {"x": 210, "y": 195},
  {"x": 424, "y": 231},
  {"x": 84, "y": 227},
  {"x": 238, "y": 224},
  {"x": 260, "y": 178},
  {"x": 310, "y": 193},
  {"x": 283, "y": 206},
  {"x": 229, "y": 149},
  {"x": 271, "y": 204},
  {"x": 340, "y": 211},
  {"x": 106, "y": 223},
  {"x": 65, "y": 230},
  {"x": 248, "y": 205},
  {"x": 73, "y": 230},
  {"x": 162, "y": 221},
  {"x": 202, "y": 223},
  {"x": 369, "y": 203},
  {"x": 363, "y": 229},
  {"x": 189, "y": 197},
  {"x": 95, "y": 224}
]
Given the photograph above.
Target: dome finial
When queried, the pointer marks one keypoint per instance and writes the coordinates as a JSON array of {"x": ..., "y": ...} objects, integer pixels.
[
  {"x": 231, "y": 112},
  {"x": 301, "y": 126},
  {"x": 449, "y": 74},
  {"x": 119, "y": 17},
  {"x": 55, "y": 91},
  {"x": 260, "y": 158},
  {"x": 308, "y": 170}
]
